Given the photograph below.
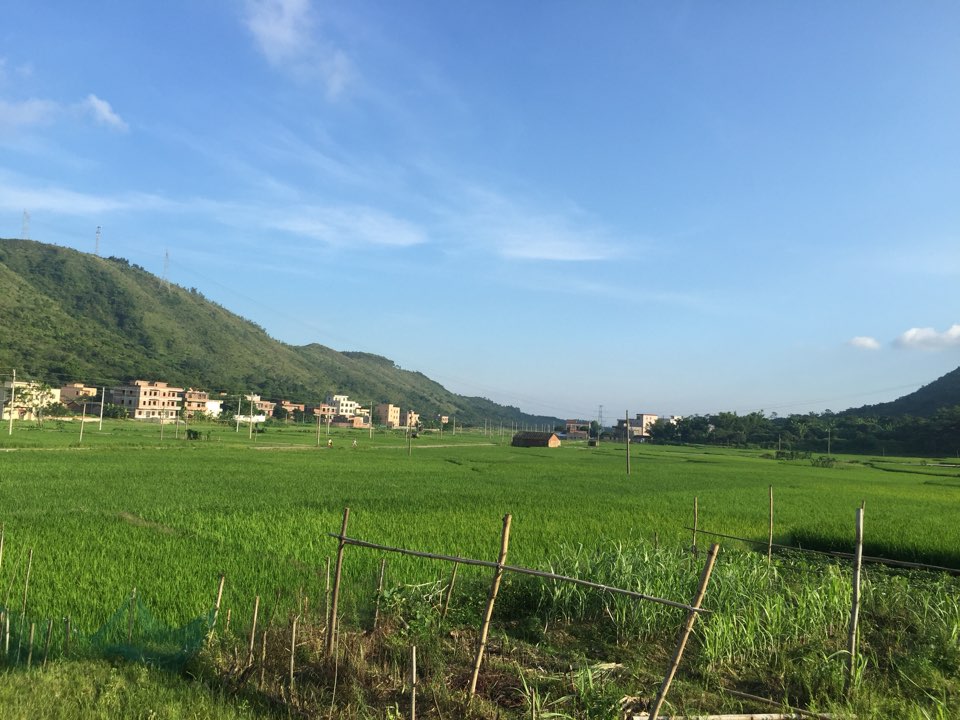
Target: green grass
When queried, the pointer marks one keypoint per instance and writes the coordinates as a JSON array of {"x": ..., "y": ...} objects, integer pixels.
[{"x": 126, "y": 510}]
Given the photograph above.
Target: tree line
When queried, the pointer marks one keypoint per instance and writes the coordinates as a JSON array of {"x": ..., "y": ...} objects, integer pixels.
[{"x": 819, "y": 433}]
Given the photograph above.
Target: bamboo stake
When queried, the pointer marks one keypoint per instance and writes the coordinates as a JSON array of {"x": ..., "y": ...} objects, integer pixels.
[
  {"x": 6, "y": 636},
  {"x": 696, "y": 517},
  {"x": 854, "y": 607},
  {"x": 66, "y": 635},
  {"x": 46, "y": 644},
  {"x": 293, "y": 651},
  {"x": 488, "y": 614},
  {"x": 326, "y": 593},
  {"x": 376, "y": 609},
  {"x": 770, "y": 534},
  {"x": 3, "y": 529},
  {"x": 263, "y": 657},
  {"x": 253, "y": 630},
  {"x": 133, "y": 610},
  {"x": 413, "y": 682},
  {"x": 216, "y": 604},
  {"x": 30, "y": 650},
  {"x": 446, "y": 601},
  {"x": 335, "y": 598},
  {"x": 685, "y": 632},
  {"x": 23, "y": 607},
  {"x": 226, "y": 625}
]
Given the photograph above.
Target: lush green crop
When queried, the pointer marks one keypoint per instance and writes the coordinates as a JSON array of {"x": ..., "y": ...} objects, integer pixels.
[{"x": 125, "y": 510}]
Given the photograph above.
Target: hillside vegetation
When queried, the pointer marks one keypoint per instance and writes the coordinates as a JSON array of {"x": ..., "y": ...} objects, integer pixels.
[{"x": 75, "y": 317}]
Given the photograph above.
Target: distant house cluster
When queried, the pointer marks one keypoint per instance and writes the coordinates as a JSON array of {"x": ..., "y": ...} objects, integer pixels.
[
  {"x": 638, "y": 428},
  {"x": 157, "y": 401}
]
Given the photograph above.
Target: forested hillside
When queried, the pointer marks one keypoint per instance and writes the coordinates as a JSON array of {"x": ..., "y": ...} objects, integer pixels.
[{"x": 75, "y": 317}]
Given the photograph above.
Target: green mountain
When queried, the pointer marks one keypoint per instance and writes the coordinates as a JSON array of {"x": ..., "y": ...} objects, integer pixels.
[
  {"x": 942, "y": 393},
  {"x": 74, "y": 317}
]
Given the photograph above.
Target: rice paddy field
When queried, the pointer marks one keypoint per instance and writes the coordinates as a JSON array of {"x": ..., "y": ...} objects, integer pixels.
[{"x": 124, "y": 508}]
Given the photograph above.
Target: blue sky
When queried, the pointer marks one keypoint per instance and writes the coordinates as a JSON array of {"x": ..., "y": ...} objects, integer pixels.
[{"x": 658, "y": 207}]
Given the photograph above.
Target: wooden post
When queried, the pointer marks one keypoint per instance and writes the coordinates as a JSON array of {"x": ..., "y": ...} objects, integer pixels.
[
  {"x": 253, "y": 630},
  {"x": 46, "y": 644},
  {"x": 216, "y": 605},
  {"x": 263, "y": 657},
  {"x": 413, "y": 682},
  {"x": 30, "y": 649},
  {"x": 133, "y": 611},
  {"x": 326, "y": 593},
  {"x": 226, "y": 625},
  {"x": 6, "y": 636},
  {"x": 770, "y": 534},
  {"x": 293, "y": 651},
  {"x": 854, "y": 608},
  {"x": 376, "y": 609},
  {"x": 23, "y": 607},
  {"x": 627, "y": 435},
  {"x": 685, "y": 632},
  {"x": 67, "y": 628},
  {"x": 337, "y": 574},
  {"x": 696, "y": 518},
  {"x": 3, "y": 528},
  {"x": 488, "y": 614},
  {"x": 446, "y": 601}
]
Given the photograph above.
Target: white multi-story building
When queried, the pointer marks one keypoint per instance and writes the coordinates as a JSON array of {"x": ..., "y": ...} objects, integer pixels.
[{"x": 148, "y": 400}]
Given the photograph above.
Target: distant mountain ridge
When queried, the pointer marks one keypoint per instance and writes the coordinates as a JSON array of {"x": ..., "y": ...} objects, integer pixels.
[
  {"x": 70, "y": 316},
  {"x": 944, "y": 392}
]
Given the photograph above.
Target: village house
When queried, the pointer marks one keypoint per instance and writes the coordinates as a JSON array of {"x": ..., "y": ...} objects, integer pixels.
[
  {"x": 577, "y": 429},
  {"x": 388, "y": 415},
  {"x": 639, "y": 427},
  {"x": 195, "y": 401},
  {"x": 409, "y": 419},
  {"x": 324, "y": 412},
  {"x": 24, "y": 396},
  {"x": 76, "y": 391},
  {"x": 147, "y": 400},
  {"x": 535, "y": 439}
]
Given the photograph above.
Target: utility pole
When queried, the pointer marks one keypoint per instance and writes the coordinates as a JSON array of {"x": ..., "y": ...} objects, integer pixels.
[
  {"x": 239, "y": 410},
  {"x": 103, "y": 399},
  {"x": 13, "y": 394},
  {"x": 627, "y": 433},
  {"x": 250, "y": 434},
  {"x": 83, "y": 421},
  {"x": 600, "y": 425},
  {"x": 318, "y": 431},
  {"x": 96, "y": 247}
]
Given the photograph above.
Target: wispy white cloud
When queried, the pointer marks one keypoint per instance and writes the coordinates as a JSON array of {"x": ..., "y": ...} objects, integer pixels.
[
  {"x": 36, "y": 112},
  {"x": 28, "y": 113},
  {"x": 353, "y": 225},
  {"x": 487, "y": 220},
  {"x": 864, "y": 342},
  {"x": 285, "y": 32},
  {"x": 103, "y": 113},
  {"x": 17, "y": 193},
  {"x": 930, "y": 339}
]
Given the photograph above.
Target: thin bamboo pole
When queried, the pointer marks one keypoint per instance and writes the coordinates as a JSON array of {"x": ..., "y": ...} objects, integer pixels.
[
  {"x": 6, "y": 636},
  {"x": 263, "y": 657},
  {"x": 23, "y": 607},
  {"x": 413, "y": 682},
  {"x": 3, "y": 529},
  {"x": 685, "y": 632},
  {"x": 67, "y": 631},
  {"x": 376, "y": 609},
  {"x": 216, "y": 604},
  {"x": 852, "y": 639},
  {"x": 253, "y": 630},
  {"x": 46, "y": 644},
  {"x": 770, "y": 533},
  {"x": 488, "y": 614},
  {"x": 30, "y": 646},
  {"x": 293, "y": 652},
  {"x": 326, "y": 593},
  {"x": 446, "y": 600},
  {"x": 133, "y": 612},
  {"x": 696, "y": 519},
  {"x": 337, "y": 574},
  {"x": 520, "y": 570}
]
